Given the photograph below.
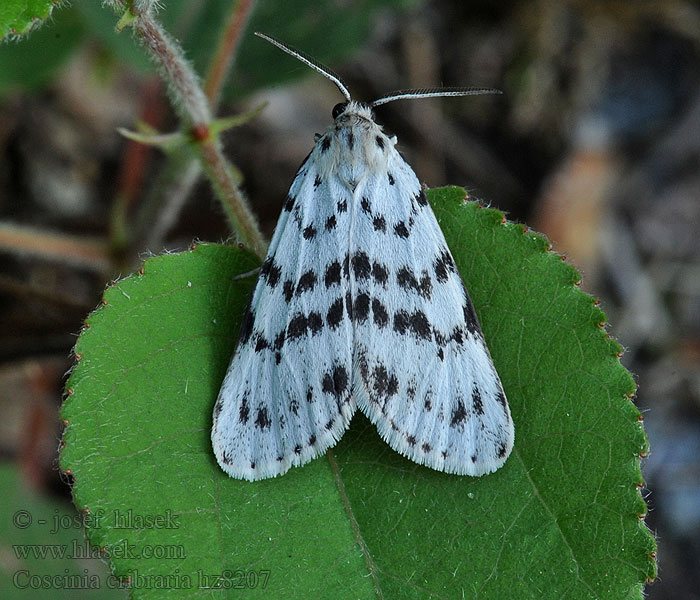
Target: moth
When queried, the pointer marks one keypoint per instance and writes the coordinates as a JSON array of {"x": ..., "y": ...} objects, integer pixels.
[{"x": 359, "y": 304}]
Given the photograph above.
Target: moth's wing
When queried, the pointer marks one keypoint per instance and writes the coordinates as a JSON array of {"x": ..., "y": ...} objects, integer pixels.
[
  {"x": 286, "y": 397},
  {"x": 423, "y": 373}
]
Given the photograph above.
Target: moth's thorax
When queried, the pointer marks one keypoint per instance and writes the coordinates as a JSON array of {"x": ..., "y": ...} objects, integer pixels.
[{"x": 353, "y": 146}]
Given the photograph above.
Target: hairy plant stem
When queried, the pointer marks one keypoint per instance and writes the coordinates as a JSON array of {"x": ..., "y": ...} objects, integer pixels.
[
  {"x": 183, "y": 170},
  {"x": 192, "y": 105},
  {"x": 238, "y": 213}
]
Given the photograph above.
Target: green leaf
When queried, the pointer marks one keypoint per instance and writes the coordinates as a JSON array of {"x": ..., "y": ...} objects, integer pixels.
[
  {"x": 31, "y": 62},
  {"x": 41, "y": 540},
  {"x": 19, "y": 16},
  {"x": 560, "y": 519}
]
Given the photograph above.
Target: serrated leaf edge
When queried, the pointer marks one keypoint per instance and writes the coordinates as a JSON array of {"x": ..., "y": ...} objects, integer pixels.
[
  {"x": 32, "y": 23},
  {"x": 547, "y": 248}
]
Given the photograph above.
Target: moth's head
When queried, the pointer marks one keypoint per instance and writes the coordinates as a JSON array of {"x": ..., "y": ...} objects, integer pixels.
[{"x": 352, "y": 111}]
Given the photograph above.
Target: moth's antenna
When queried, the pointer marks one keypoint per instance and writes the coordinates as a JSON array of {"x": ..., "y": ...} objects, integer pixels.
[
  {"x": 311, "y": 62},
  {"x": 432, "y": 93}
]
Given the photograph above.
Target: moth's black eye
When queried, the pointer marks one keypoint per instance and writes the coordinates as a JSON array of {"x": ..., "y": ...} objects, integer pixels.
[{"x": 339, "y": 109}]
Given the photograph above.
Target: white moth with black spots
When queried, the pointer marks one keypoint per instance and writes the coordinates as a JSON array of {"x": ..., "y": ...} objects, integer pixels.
[{"x": 359, "y": 304}]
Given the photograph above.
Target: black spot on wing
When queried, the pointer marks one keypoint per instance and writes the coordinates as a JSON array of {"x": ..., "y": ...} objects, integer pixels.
[
  {"x": 325, "y": 144},
  {"x": 279, "y": 340},
  {"x": 317, "y": 181},
  {"x": 457, "y": 337},
  {"x": 470, "y": 316},
  {"x": 425, "y": 286},
  {"x": 246, "y": 325},
  {"x": 270, "y": 272},
  {"x": 288, "y": 290},
  {"x": 380, "y": 273},
  {"x": 289, "y": 203},
  {"x": 501, "y": 399},
  {"x": 315, "y": 322},
  {"x": 265, "y": 267},
  {"x": 416, "y": 323},
  {"x": 444, "y": 265},
  {"x": 380, "y": 314},
  {"x": 385, "y": 384},
  {"x": 342, "y": 206},
  {"x": 401, "y": 322},
  {"x": 392, "y": 181},
  {"x": 262, "y": 420},
  {"x": 379, "y": 224},
  {"x": 335, "y": 382},
  {"x": 332, "y": 275},
  {"x": 309, "y": 232},
  {"x": 401, "y": 230},
  {"x": 408, "y": 281},
  {"x": 331, "y": 223},
  {"x": 335, "y": 313},
  {"x": 364, "y": 367},
  {"x": 297, "y": 326},
  {"x": 459, "y": 414},
  {"x": 476, "y": 401},
  {"x": 360, "y": 308},
  {"x": 360, "y": 265},
  {"x": 307, "y": 282},
  {"x": 244, "y": 410},
  {"x": 366, "y": 206},
  {"x": 420, "y": 325},
  {"x": 260, "y": 343},
  {"x": 296, "y": 216},
  {"x": 422, "y": 199}
]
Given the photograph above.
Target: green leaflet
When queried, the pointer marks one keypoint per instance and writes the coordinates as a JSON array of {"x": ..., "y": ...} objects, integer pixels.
[
  {"x": 20, "y": 16},
  {"x": 560, "y": 519}
]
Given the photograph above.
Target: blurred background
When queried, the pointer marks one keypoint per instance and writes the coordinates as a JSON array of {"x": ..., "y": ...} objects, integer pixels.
[{"x": 595, "y": 142}]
